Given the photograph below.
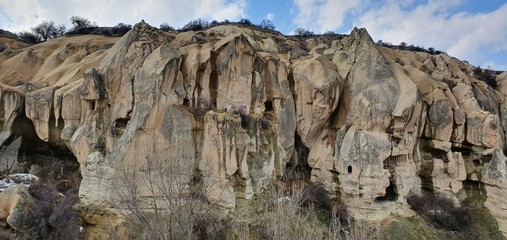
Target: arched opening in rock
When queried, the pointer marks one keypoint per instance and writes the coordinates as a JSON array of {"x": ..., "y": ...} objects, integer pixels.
[
  {"x": 297, "y": 168},
  {"x": 390, "y": 195},
  {"x": 120, "y": 125},
  {"x": 51, "y": 161},
  {"x": 186, "y": 102},
  {"x": 349, "y": 169}
]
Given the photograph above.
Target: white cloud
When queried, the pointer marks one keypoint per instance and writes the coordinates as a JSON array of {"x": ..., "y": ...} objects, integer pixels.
[
  {"x": 477, "y": 37},
  {"x": 19, "y": 15},
  {"x": 467, "y": 36},
  {"x": 269, "y": 16},
  {"x": 323, "y": 15}
]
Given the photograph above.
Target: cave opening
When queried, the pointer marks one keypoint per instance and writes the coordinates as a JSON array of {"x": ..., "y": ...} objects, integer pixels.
[
  {"x": 91, "y": 104},
  {"x": 51, "y": 161},
  {"x": 120, "y": 125},
  {"x": 465, "y": 152},
  {"x": 297, "y": 168},
  {"x": 390, "y": 195},
  {"x": 268, "y": 106},
  {"x": 349, "y": 169}
]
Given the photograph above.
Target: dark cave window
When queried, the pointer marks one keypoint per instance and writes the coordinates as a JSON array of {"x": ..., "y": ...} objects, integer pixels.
[
  {"x": 186, "y": 102},
  {"x": 349, "y": 169},
  {"x": 268, "y": 106},
  {"x": 91, "y": 105}
]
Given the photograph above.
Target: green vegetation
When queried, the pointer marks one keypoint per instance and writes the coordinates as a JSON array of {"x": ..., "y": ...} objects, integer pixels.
[{"x": 486, "y": 75}]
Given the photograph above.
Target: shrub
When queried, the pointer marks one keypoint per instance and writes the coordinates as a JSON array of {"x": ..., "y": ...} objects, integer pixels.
[
  {"x": 486, "y": 75},
  {"x": 81, "y": 23},
  {"x": 439, "y": 211},
  {"x": 166, "y": 27},
  {"x": 195, "y": 25},
  {"x": 29, "y": 37},
  {"x": 121, "y": 28},
  {"x": 288, "y": 218},
  {"x": 245, "y": 21},
  {"x": 302, "y": 32},
  {"x": 214, "y": 23},
  {"x": 173, "y": 206},
  {"x": 266, "y": 24},
  {"x": 51, "y": 215}
]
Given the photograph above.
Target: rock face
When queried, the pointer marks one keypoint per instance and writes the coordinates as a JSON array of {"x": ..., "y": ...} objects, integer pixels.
[
  {"x": 238, "y": 106},
  {"x": 12, "y": 204}
]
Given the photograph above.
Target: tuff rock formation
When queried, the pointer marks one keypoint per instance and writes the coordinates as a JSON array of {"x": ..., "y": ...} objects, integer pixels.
[{"x": 240, "y": 105}]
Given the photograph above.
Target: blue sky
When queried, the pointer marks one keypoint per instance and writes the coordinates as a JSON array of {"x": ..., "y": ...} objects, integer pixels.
[{"x": 470, "y": 30}]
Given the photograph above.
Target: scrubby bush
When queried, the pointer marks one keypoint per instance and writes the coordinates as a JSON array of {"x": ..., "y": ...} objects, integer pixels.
[
  {"x": 120, "y": 29},
  {"x": 267, "y": 24},
  {"x": 166, "y": 27},
  {"x": 177, "y": 208},
  {"x": 486, "y": 75},
  {"x": 439, "y": 211},
  {"x": 245, "y": 21},
  {"x": 81, "y": 23},
  {"x": 50, "y": 215},
  {"x": 195, "y": 25},
  {"x": 302, "y": 32}
]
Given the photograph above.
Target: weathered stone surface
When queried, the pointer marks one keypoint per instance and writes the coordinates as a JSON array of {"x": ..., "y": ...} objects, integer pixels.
[
  {"x": 12, "y": 203},
  {"x": 318, "y": 88},
  {"x": 242, "y": 107}
]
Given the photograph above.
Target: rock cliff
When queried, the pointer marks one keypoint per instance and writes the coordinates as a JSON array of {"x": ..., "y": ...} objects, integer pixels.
[{"x": 243, "y": 107}]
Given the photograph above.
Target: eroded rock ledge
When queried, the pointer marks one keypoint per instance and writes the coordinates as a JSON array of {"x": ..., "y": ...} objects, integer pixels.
[{"x": 379, "y": 123}]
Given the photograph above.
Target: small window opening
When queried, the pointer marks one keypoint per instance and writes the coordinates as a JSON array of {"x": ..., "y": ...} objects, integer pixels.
[
  {"x": 268, "y": 106},
  {"x": 91, "y": 105},
  {"x": 349, "y": 169}
]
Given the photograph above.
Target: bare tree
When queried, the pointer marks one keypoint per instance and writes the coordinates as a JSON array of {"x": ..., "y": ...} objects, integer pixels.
[
  {"x": 267, "y": 24},
  {"x": 166, "y": 27},
  {"x": 81, "y": 23},
  {"x": 29, "y": 37},
  {"x": 46, "y": 30},
  {"x": 302, "y": 32},
  {"x": 163, "y": 196}
]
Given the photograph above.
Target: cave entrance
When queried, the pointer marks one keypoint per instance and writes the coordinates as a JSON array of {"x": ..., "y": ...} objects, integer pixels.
[
  {"x": 268, "y": 106},
  {"x": 390, "y": 195},
  {"x": 390, "y": 164},
  {"x": 297, "y": 168},
  {"x": 51, "y": 161}
]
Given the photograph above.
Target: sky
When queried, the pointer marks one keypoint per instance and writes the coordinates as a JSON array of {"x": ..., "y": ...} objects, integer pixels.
[{"x": 471, "y": 30}]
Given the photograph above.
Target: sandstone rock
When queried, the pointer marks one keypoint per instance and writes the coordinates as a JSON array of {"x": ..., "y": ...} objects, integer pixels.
[
  {"x": 319, "y": 87},
  {"x": 241, "y": 107},
  {"x": 495, "y": 178},
  {"x": 12, "y": 203},
  {"x": 483, "y": 129}
]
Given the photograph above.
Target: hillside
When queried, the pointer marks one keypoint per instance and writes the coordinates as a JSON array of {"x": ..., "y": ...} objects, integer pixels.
[{"x": 240, "y": 108}]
